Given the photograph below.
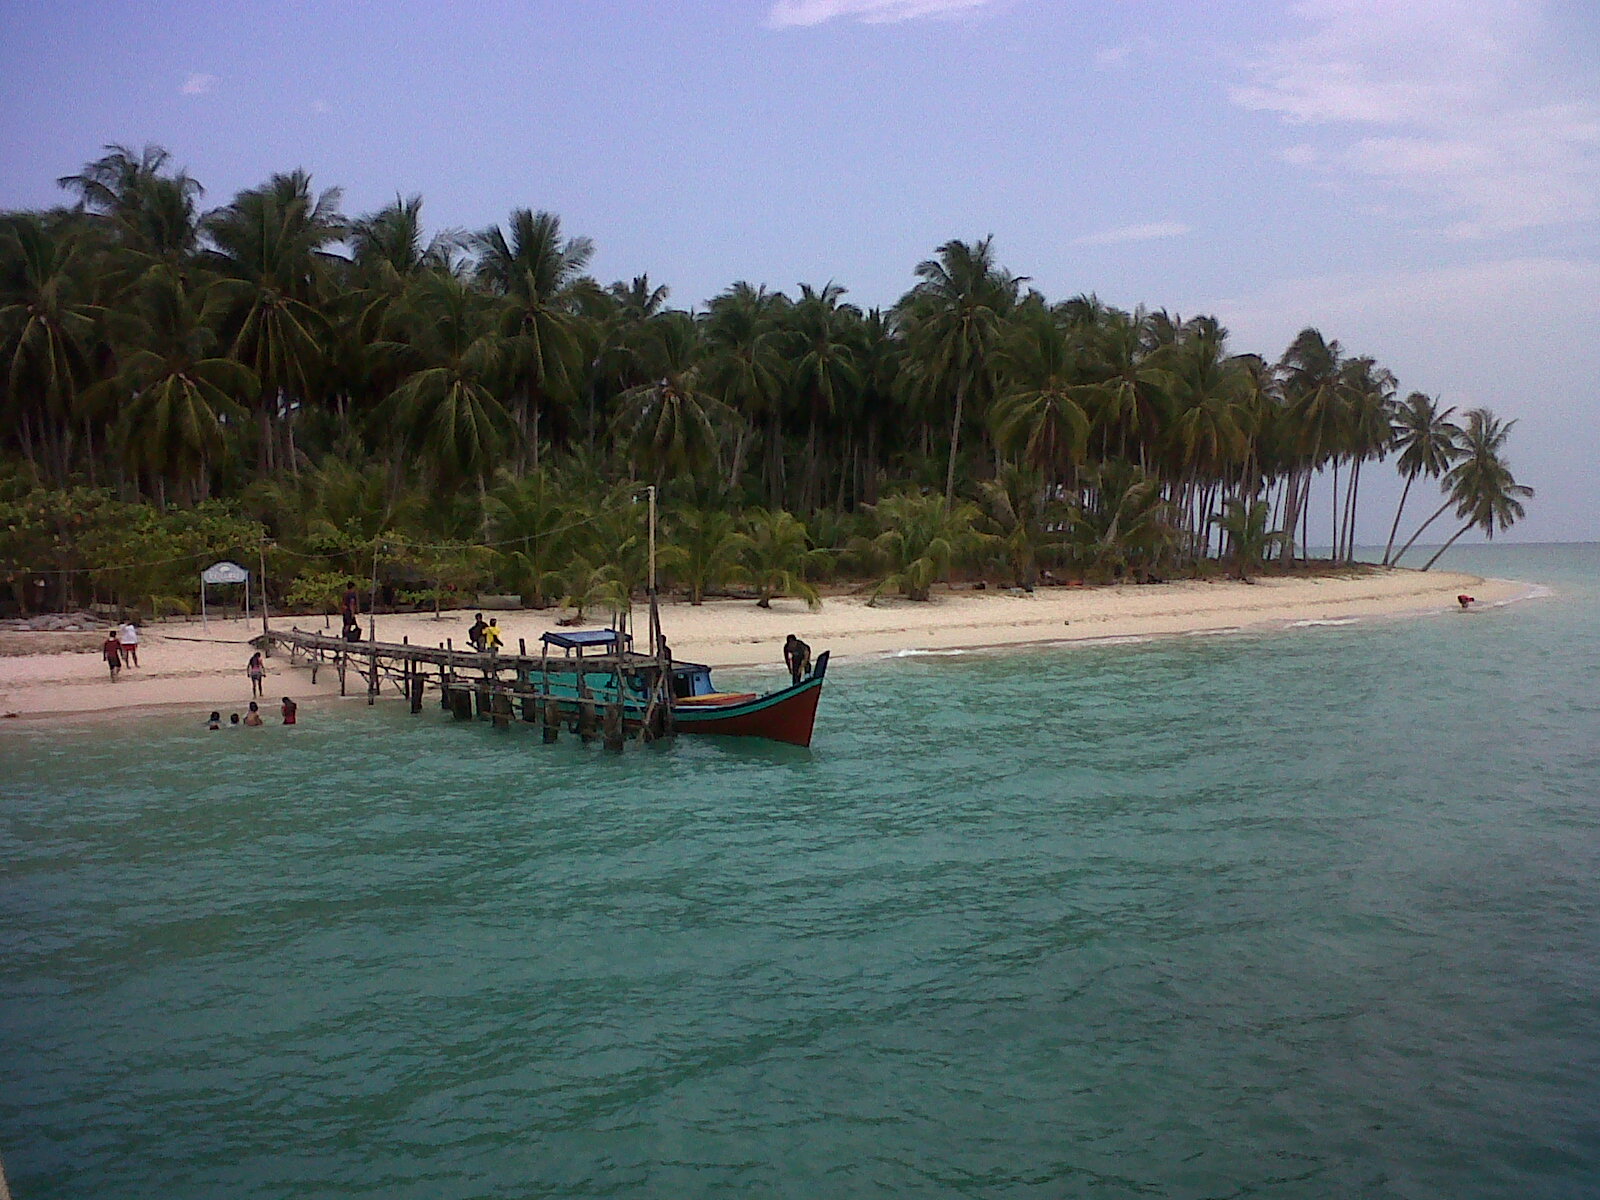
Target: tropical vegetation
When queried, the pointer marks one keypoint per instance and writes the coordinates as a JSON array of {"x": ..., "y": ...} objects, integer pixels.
[{"x": 336, "y": 396}]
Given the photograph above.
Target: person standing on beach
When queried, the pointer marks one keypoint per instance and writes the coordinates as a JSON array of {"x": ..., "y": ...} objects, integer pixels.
[
  {"x": 257, "y": 670},
  {"x": 129, "y": 637},
  {"x": 111, "y": 651},
  {"x": 289, "y": 709},
  {"x": 797, "y": 657},
  {"x": 491, "y": 635},
  {"x": 475, "y": 632}
]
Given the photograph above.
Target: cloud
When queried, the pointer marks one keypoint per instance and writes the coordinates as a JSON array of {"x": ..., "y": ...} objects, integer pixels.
[
  {"x": 1452, "y": 101},
  {"x": 1133, "y": 233},
  {"x": 198, "y": 84},
  {"x": 786, "y": 14}
]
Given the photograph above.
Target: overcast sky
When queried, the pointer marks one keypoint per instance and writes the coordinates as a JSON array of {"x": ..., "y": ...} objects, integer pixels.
[{"x": 1419, "y": 179}]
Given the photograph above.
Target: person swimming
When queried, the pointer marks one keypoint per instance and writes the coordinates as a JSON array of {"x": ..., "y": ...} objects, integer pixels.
[
  {"x": 214, "y": 721},
  {"x": 253, "y": 717}
]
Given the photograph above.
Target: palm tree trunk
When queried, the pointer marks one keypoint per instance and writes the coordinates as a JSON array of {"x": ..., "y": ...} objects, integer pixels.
[
  {"x": 955, "y": 440},
  {"x": 1446, "y": 546},
  {"x": 1395, "y": 528},
  {"x": 1439, "y": 512}
]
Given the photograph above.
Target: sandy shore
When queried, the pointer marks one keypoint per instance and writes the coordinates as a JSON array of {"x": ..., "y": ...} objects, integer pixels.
[{"x": 184, "y": 664}]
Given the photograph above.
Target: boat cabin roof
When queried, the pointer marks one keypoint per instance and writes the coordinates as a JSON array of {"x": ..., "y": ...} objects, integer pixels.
[{"x": 582, "y": 638}]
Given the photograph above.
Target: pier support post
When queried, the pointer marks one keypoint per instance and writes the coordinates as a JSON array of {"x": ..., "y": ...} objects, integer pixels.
[
  {"x": 418, "y": 686},
  {"x": 613, "y": 728},
  {"x": 500, "y": 710},
  {"x": 552, "y": 721},
  {"x": 461, "y": 704}
]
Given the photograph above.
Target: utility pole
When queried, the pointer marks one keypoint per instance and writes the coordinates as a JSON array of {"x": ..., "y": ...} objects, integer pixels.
[
  {"x": 372, "y": 607},
  {"x": 262, "y": 560}
]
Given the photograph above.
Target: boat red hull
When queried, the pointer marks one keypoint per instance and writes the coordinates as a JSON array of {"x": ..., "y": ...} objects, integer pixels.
[{"x": 782, "y": 716}]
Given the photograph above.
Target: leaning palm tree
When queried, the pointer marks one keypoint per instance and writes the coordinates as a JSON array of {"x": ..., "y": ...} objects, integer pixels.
[
  {"x": 1485, "y": 494},
  {"x": 955, "y": 320},
  {"x": 1428, "y": 443}
]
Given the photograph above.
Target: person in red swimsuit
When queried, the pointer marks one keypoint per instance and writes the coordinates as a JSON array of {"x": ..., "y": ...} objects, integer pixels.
[{"x": 289, "y": 708}]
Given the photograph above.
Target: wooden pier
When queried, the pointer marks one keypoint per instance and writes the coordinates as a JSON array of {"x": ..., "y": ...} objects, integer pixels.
[{"x": 603, "y": 696}]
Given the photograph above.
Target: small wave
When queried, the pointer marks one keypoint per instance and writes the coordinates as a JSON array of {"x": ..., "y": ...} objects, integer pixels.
[
  {"x": 1121, "y": 639},
  {"x": 1213, "y": 632},
  {"x": 923, "y": 653},
  {"x": 1307, "y": 624}
]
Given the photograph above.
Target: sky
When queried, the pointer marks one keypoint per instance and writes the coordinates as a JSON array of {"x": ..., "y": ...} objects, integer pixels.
[{"x": 1419, "y": 179}]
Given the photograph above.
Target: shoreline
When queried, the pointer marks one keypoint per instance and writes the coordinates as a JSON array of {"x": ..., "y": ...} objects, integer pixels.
[{"x": 189, "y": 667}]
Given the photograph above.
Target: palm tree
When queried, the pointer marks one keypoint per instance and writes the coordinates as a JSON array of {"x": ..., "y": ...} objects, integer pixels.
[
  {"x": 1428, "y": 443},
  {"x": 1024, "y": 523},
  {"x": 1245, "y": 524},
  {"x": 447, "y": 409},
  {"x": 152, "y": 213},
  {"x": 532, "y": 516},
  {"x": 745, "y": 368},
  {"x": 920, "y": 540},
  {"x": 538, "y": 275},
  {"x": 180, "y": 394},
  {"x": 48, "y": 330},
  {"x": 1042, "y": 418},
  {"x": 823, "y": 335},
  {"x": 779, "y": 556},
  {"x": 705, "y": 549},
  {"x": 955, "y": 320},
  {"x": 1310, "y": 379},
  {"x": 670, "y": 424},
  {"x": 1481, "y": 485},
  {"x": 271, "y": 246}
]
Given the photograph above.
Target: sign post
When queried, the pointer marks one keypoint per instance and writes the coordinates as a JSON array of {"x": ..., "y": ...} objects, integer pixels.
[{"x": 222, "y": 572}]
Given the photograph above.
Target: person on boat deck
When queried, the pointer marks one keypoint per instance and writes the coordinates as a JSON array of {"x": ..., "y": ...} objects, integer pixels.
[
  {"x": 475, "y": 633},
  {"x": 491, "y": 635},
  {"x": 797, "y": 657}
]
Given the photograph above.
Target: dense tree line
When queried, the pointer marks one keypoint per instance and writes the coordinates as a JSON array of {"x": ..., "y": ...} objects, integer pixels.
[{"x": 474, "y": 410}]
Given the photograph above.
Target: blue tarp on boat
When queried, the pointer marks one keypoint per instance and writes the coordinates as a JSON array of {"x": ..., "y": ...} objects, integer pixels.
[{"x": 582, "y": 638}]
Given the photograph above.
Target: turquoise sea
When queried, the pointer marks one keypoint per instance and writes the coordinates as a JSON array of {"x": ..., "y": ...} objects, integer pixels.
[{"x": 1312, "y": 913}]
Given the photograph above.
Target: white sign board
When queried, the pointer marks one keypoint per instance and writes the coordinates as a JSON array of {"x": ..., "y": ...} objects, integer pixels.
[{"x": 224, "y": 572}]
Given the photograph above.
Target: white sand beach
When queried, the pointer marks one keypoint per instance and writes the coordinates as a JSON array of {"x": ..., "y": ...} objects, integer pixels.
[{"x": 184, "y": 664}]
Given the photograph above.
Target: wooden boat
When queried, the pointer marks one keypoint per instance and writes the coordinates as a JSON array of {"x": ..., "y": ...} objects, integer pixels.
[{"x": 785, "y": 715}]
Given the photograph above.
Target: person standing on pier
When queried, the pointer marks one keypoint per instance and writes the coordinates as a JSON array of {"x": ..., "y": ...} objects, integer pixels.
[{"x": 350, "y": 607}]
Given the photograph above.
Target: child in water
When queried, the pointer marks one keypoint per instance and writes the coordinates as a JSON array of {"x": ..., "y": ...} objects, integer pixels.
[{"x": 289, "y": 709}]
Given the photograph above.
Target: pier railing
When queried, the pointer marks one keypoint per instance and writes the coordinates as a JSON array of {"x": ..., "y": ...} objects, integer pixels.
[{"x": 605, "y": 695}]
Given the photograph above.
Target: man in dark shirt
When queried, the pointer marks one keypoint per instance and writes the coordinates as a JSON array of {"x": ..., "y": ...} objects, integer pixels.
[
  {"x": 475, "y": 633},
  {"x": 797, "y": 657}
]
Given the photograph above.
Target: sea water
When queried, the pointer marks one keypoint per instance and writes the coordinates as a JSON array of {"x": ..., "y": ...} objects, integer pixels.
[{"x": 1303, "y": 913}]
